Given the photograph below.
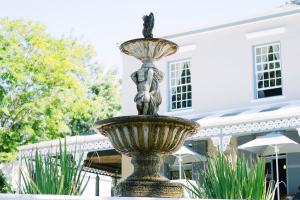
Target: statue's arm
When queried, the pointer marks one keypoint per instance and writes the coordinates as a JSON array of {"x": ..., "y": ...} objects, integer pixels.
[{"x": 133, "y": 77}]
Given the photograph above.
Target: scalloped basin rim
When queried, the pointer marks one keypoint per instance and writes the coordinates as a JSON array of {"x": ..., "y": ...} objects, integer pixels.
[
  {"x": 146, "y": 118},
  {"x": 147, "y": 54}
]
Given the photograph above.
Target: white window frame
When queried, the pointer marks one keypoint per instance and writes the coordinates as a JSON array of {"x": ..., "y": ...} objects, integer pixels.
[
  {"x": 172, "y": 86},
  {"x": 261, "y": 62}
]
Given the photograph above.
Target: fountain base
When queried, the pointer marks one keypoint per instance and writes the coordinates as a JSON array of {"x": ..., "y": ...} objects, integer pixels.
[{"x": 164, "y": 189}]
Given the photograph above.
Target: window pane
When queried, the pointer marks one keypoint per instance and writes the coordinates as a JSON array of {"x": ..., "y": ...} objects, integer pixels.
[
  {"x": 184, "y": 104},
  {"x": 266, "y": 83},
  {"x": 271, "y": 57},
  {"x": 278, "y": 82},
  {"x": 184, "y": 88},
  {"x": 260, "y": 76},
  {"x": 184, "y": 96},
  {"x": 258, "y": 59},
  {"x": 270, "y": 49},
  {"x": 271, "y": 66},
  {"x": 260, "y": 84},
  {"x": 189, "y": 102},
  {"x": 173, "y": 105},
  {"x": 173, "y": 97},
  {"x": 264, "y": 58},
  {"x": 266, "y": 75},
  {"x": 264, "y": 50},
  {"x": 188, "y": 79},
  {"x": 272, "y": 82},
  {"x": 276, "y": 48},
  {"x": 272, "y": 74},
  {"x": 189, "y": 95},
  {"x": 258, "y": 51},
  {"x": 277, "y": 65},
  {"x": 265, "y": 66},
  {"x": 188, "y": 72},
  {"x": 183, "y": 80},
  {"x": 278, "y": 73},
  {"x": 258, "y": 67},
  {"x": 189, "y": 88},
  {"x": 178, "y": 105},
  {"x": 276, "y": 56}
]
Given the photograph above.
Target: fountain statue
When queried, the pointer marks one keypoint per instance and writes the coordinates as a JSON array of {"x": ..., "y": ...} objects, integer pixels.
[{"x": 147, "y": 137}]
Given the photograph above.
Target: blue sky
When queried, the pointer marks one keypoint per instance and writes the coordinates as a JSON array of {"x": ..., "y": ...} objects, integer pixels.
[{"x": 105, "y": 23}]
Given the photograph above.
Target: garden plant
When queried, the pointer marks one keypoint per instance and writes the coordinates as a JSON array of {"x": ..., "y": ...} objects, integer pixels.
[
  {"x": 233, "y": 177},
  {"x": 54, "y": 174}
]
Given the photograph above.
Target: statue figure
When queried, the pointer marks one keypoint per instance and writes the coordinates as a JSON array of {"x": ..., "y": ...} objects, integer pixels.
[
  {"x": 147, "y": 80},
  {"x": 148, "y": 25}
]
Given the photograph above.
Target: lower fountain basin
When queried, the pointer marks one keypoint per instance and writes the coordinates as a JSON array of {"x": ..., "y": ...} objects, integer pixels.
[
  {"x": 147, "y": 139},
  {"x": 146, "y": 134}
]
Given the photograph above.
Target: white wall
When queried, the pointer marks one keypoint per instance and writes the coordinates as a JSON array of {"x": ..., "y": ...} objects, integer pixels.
[{"x": 222, "y": 66}]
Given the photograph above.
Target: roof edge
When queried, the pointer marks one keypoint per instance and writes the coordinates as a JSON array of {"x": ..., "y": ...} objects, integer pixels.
[{"x": 234, "y": 23}]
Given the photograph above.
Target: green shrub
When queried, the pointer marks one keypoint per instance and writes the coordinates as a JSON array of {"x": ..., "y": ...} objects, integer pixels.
[
  {"x": 5, "y": 186},
  {"x": 59, "y": 174},
  {"x": 229, "y": 178}
]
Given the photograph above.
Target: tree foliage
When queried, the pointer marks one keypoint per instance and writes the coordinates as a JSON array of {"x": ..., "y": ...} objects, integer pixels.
[
  {"x": 5, "y": 186},
  {"x": 49, "y": 87}
]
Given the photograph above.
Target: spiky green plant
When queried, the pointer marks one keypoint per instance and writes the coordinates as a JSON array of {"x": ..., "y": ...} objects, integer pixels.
[
  {"x": 58, "y": 174},
  {"x": 228, "y": 178}
]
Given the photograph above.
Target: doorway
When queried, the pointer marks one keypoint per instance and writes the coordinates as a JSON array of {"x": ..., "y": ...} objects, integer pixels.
[{"x": 282, "y": 176}]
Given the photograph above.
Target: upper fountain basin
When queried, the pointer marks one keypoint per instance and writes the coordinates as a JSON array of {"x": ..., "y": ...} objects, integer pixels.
[
  {"x": 149, "y": 49},
  {"x": 147, "y": 134}
]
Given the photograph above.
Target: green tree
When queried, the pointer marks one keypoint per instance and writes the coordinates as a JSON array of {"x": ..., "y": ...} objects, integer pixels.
[{"x": 49, "y": 87}]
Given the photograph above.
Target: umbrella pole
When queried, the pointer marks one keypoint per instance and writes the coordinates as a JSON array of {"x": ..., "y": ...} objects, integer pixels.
[
  {"x": 180, "y": 172},
  {"x": 277, "y": 171}
]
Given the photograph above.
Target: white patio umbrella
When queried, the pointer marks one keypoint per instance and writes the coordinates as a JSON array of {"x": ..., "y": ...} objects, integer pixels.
[
  {"x": 270, "y": 144},
  {"x": 186, "y": 155}
]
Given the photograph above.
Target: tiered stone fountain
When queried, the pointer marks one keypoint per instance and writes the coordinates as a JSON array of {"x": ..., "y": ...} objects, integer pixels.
[{"x": 147, "y": 137}]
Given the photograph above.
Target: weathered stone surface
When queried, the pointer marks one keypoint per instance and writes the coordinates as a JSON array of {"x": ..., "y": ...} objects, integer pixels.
[
  {"x": 163, "y": 189},
  {"x": 147, "y": 139}
]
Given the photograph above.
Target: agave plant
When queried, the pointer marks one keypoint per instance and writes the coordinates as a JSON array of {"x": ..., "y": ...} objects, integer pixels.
[
  {"x": 228, "y": 178},
  {"x": 58, "y": 174}
]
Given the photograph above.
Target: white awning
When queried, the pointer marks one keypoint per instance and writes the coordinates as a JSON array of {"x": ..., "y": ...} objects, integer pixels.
[
  {"x": 249, "y": 120},
  {"x": 265, "y": 145},
  {"x": 187, "y": 155}
]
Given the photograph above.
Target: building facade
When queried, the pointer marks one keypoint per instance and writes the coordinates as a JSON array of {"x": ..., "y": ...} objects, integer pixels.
[{"x": 240, "y": 81}]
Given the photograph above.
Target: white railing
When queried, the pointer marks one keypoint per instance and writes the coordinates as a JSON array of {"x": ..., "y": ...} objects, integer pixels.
[{"x": 62, "y": 197}]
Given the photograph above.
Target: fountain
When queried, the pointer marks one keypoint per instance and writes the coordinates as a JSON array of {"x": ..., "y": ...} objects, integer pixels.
[{"x": 147, "y": 137}]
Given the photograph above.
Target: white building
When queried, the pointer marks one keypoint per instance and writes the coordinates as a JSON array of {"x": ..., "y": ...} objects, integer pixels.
[{"x": 239, "y": 80}]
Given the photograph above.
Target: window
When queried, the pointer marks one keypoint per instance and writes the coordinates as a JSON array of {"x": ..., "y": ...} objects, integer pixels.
[
  {"x": 268, "y": 70},
  {"x": 180, "y": 85}
]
